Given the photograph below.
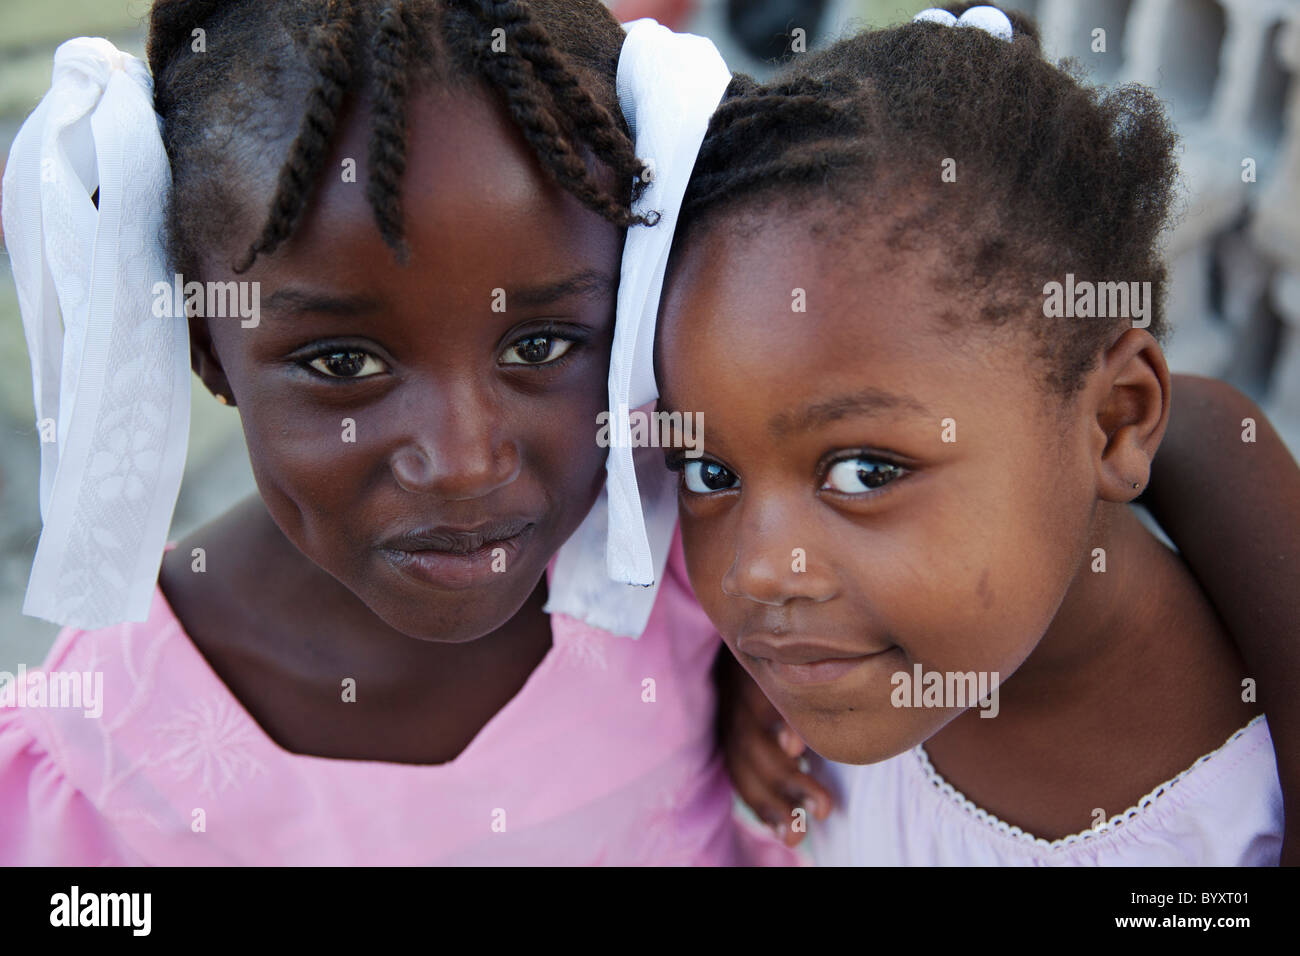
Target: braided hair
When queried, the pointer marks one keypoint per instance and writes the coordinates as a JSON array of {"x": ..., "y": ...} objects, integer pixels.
[
  {"x": 232, "y": 76},
  {"x": 1052, "y": 175}
]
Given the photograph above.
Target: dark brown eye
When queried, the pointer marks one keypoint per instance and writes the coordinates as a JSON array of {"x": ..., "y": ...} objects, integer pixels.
[
  {"x": 347, "y": 364},
  {"x": 703, "y": 477},
  {"x": 855, "y": 476},
  {"x": 537, "y": 350}
]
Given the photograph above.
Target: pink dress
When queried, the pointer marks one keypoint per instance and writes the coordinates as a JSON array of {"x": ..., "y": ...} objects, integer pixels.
[
  {"x": 581, "y": 767},
  {"x": 1224, "y": 810}
]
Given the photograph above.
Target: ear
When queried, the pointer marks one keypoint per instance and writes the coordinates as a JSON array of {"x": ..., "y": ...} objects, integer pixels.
[
  {"x": 1132, "y": 393},
  {"x": 206, "y": 364}
]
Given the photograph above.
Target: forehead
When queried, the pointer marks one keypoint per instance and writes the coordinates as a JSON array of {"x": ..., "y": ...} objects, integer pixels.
[
  {"x": 470, "y": 177},
  {"x": 784, "y": 311},
  {"x": 476, "y": 204},
  {"x": 778, "y": 272}
]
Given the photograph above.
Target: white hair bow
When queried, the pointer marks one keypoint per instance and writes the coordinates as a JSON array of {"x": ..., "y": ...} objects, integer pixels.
[
  {"x": 111, "y": 382},
  {"x": 989, "y": 19},
  {"x": 669, "y": 84}
]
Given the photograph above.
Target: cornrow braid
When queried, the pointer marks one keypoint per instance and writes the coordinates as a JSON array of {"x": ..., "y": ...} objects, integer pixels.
[
  {"x": 591, "y": 121},
  {"x": 526, "y": 101},
  {"x": 387, "y": 152},
  {"x": 1052, "y": 175},
  {"x": 815, "y": 127},
  {"x": 555, "y": 79},
  {"x": 330, "y": 53}
]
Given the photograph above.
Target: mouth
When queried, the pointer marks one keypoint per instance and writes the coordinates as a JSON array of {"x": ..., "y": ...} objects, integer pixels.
[
  {"x": 454, "y": 559},
  {"x": 806, "y": 662}
]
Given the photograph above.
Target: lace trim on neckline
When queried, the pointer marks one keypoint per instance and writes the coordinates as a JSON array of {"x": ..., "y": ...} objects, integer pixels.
[{"x": 936, "y": 780}]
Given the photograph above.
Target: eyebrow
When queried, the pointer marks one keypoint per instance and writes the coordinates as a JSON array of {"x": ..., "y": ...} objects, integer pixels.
[
  {"x": 288, "y": 302},
  {"x": 589, "y": 282},
  {"x": 869, "y": 401}
]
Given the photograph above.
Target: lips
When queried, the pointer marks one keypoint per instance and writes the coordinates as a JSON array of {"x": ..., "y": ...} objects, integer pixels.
[
  {"x": 451, "y": 540},
  {"x": 449, "y": 558},
  {"x": 806, "y": 662}
]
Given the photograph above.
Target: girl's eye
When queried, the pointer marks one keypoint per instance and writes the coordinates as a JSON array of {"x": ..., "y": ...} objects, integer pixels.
[
  {"x": 854, "y": 476},
  {"x": 345, "y": 364},
  {"x": 537, "y": 350},
  {"x": 706, "y": 477}
]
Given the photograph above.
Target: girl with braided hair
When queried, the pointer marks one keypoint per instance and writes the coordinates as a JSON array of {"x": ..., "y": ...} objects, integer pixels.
[
  {"x": 911, "y": 518},
  {"x": 361, "y": 663}
]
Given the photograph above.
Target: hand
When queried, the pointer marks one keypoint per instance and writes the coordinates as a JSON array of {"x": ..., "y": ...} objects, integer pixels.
[{"x": 763, "y": 755}]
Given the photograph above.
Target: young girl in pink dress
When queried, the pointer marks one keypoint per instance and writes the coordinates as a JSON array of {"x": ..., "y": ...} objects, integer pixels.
[{"x": 386, "y": 656}]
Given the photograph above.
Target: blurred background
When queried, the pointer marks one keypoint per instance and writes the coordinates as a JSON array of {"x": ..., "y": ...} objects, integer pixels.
[{"x": 1226, "y": 68}]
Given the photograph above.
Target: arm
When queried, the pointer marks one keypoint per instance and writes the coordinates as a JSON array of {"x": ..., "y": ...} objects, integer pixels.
[{"x": 1233, "y": 510}]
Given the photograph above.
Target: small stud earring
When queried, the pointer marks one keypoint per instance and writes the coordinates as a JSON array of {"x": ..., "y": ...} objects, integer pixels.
[
  {"x": 1135, "y": 484},
  {"x": 222, "y": 399}
]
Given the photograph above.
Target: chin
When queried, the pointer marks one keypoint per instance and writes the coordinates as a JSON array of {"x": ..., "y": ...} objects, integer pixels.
[
  {"x": 454, "y": 617},
  {"x": 848, "y": 738}
]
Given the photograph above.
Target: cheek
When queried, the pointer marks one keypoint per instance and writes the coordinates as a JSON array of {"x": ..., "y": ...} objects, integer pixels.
[
  {"x": 707, "y": 561},
  {"x": 564, "y": 426},
  {"x": 312, "y": 467},
  {"x": 308, "y": 459},
  {"x": 978, "y": 581},
  {"x": 557, "y": 431}
]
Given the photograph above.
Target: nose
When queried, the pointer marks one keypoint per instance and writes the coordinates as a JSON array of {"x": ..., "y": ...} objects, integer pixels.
[
  {"x": 455, "y": 448},
  {"x": 777, "y": 561}
]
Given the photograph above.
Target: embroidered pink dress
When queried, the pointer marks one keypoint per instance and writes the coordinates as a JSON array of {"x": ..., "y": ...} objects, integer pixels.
[{"x": 579, "y": 768}]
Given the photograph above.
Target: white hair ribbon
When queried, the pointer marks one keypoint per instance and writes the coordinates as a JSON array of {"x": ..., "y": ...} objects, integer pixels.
[
  {"x": 669, "y": 84},
  {"x": 989, "y": 19},
  {"x": 111, "y": 381}
]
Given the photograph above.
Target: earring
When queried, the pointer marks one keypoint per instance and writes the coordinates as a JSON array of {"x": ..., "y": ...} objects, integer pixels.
[
  {"x": 222, "y": 399},
  {"x": 1135, "y": 484}
]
